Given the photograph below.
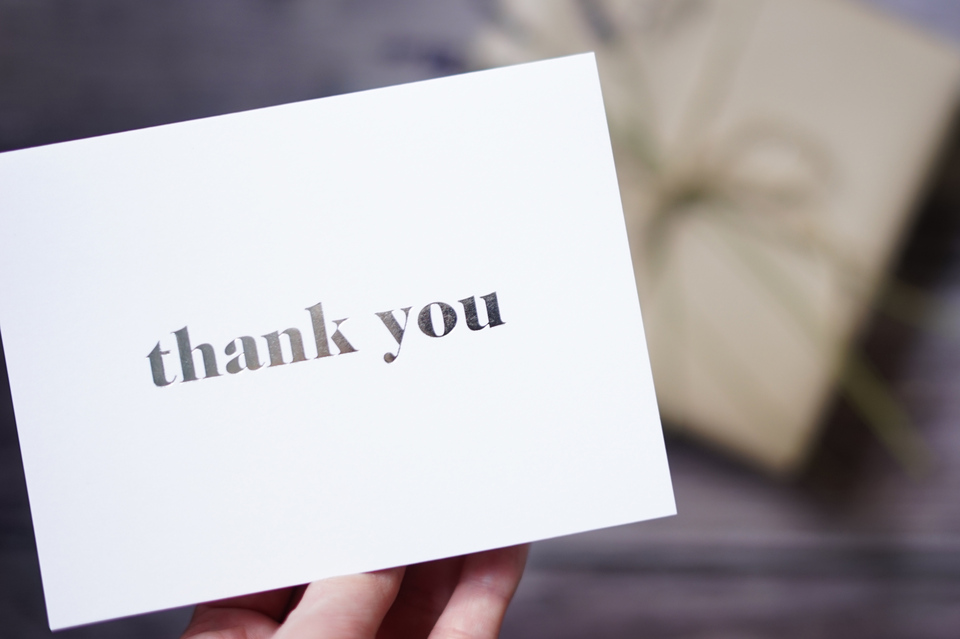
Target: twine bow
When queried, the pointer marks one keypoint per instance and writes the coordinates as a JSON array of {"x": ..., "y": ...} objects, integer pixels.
[{"x": 721, "y": 179}]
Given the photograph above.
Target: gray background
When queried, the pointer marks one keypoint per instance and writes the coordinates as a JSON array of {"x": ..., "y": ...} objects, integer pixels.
[{"x": 853, "y": 548}]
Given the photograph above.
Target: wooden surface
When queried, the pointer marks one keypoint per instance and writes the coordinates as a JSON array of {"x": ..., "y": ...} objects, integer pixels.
[{"x": 854, "y": 548}]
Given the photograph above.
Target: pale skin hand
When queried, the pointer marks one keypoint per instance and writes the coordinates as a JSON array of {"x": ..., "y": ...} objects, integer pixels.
[{"x": 457, "y": 598}]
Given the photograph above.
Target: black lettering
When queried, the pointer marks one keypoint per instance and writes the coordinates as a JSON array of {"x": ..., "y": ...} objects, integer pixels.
[
  {"x": 276, "y": 353},
  {"x": 342, "y": 344},
  {"x": 319, "y": 330},
  {"x": 250, "y": 356},
  {"x": 186, "y": 357},
  {"x": 493, "y": 309},
  {"x": 395, "y": 329},
  {"x": 425, "y": 320},
  {"x": 493, "y": 312},
  {"x": 156, "y": 366}
]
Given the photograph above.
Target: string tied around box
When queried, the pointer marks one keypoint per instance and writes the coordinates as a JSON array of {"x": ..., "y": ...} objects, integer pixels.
[{"x": 724, "y": 180}]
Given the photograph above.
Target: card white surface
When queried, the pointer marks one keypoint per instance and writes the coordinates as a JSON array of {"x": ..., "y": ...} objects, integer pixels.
[{"x": 151, "y": 490}]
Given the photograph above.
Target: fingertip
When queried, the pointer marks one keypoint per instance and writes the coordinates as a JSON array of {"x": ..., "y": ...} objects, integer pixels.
[
  {"x": 229, "y": 623},
  {"x": 487, "y": 584},
  {"x": 500, "y": 568},
  {"x": 348, "y": 607}
]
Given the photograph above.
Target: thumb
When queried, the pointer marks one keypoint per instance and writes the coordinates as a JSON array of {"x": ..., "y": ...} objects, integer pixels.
[{"x": 350, "y": 607}]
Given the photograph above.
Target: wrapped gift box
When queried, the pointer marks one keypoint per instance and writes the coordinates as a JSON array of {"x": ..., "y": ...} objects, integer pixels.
[{"x": 769, "y": 154}]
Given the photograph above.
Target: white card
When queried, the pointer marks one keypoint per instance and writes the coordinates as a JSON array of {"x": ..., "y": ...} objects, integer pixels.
[{"x": 272, "y": 457}]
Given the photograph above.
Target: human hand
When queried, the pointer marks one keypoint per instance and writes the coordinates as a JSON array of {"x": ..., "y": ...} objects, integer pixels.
[{"x": 456, "y": 598}]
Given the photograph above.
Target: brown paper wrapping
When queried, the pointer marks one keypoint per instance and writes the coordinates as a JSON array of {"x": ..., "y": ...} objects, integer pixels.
[{"x": 769, "y": 154}]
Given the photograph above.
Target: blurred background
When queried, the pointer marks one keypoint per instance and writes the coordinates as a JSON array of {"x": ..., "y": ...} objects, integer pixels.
[{"x": 789, "y": 171}]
